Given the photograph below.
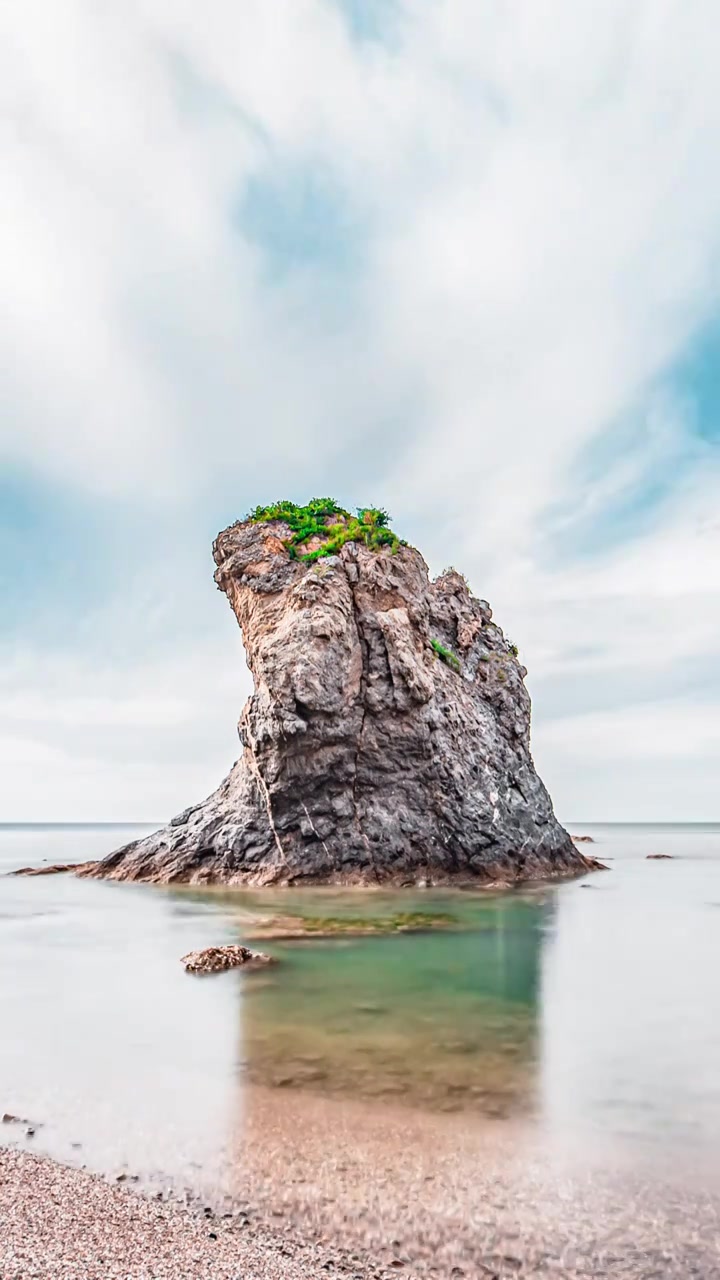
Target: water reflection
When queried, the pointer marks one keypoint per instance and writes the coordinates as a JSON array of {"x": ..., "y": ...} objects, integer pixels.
[
  {"x": 591, "y": 1011},
  {"x": 355, "y": 1050},
  {"x": 441, "y": 1019}
]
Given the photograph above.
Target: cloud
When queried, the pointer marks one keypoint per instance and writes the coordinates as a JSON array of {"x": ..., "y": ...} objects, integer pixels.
[
  {"x": 460, "y": 259},
  {"x": 82, "y": 737},
  {"x": 661, "y": 731}
]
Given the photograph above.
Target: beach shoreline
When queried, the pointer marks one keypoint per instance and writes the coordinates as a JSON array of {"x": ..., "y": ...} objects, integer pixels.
[
  {"x": 59, "y": 1222},
  {"x": 319, "y": 1187}
]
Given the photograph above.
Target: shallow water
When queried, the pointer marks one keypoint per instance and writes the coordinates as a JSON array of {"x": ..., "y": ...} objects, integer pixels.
[{"x": 586, "y": 1011}]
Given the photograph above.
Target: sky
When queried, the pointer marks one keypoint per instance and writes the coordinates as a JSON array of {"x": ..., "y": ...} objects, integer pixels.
[{"x": 458, "y": 258}]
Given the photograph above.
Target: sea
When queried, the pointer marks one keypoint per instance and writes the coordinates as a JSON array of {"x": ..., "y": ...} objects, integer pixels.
[{"x": 585, "y": 1013}]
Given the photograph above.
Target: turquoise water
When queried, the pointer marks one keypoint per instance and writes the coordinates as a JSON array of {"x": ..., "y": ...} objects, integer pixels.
[{"x": 588, "y": 1010}]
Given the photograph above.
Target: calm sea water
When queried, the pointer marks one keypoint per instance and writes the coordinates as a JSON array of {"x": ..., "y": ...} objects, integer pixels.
[{"x": 589, "y": 1011}]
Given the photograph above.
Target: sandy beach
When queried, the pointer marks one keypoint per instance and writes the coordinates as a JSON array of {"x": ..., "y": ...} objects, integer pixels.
[
  {"x": 58, "y": 1223},
  {"x": 349, "y": 1190}
]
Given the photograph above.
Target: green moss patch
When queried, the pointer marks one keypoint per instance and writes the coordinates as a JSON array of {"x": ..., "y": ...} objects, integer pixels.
[
  {"x": 324, "y": 518},
  {"x": 403, "y": 920},
  {"x": 290, "y": 927}
]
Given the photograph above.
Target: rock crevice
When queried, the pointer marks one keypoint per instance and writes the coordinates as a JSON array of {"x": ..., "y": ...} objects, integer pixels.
[{"x": 387, "y": 738}]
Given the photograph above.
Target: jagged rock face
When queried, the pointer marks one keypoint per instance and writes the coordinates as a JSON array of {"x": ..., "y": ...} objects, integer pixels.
[{"x": 365, "y": 757}]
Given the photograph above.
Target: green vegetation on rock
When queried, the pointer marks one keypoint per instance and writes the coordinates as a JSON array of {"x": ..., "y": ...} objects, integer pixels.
[
  {"x": 447, "y": 655},
  {"x": 324, "y": 518},
  {"x": 397, "y": 923}
]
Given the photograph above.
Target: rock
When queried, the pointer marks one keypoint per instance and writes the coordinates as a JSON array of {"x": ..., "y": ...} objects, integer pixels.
[
  {"x": 387, "y": 738},
  {"x": 583, "y": 839},
  {"x": 660, "y": 857},
  {"x": 31, "y": 1125},
  {"x": 216, "y": 959},
  {"x": 58, "y": 868}
]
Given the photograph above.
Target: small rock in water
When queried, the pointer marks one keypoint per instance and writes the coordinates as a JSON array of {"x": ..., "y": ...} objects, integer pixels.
[
  {"x": 583, "y": 839},
  {"x": 660, "y": 857},
  {"x": 216, "y": 959},
  {"x": 9, "y": 1118}
]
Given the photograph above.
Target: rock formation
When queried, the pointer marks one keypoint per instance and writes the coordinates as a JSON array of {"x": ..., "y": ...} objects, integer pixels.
[{"x": 387, "y": 738}]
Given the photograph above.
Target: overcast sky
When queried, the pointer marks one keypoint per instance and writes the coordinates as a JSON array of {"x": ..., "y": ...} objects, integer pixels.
[{"x": 460, "y": 258}]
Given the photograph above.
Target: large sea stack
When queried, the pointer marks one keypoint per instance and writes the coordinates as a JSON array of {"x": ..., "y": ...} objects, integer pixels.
[{"x": 388, "y": 735}]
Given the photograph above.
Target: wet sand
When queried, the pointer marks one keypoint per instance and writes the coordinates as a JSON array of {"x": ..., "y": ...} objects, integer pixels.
[
  {"x": 322, "y": 1187},
  {"x": 453, "y": 1195}
]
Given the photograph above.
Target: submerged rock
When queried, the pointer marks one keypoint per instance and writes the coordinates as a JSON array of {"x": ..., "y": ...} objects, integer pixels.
[
  {"x": 287, "y": 928},
  {"x": 387, "y": 738},
  {"x": 216, "y": 959}
]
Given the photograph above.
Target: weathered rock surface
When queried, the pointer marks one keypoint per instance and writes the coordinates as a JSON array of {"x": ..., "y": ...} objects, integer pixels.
[
  {"x": 366, "y": 757},
  {"x": 57, "y": 868}
]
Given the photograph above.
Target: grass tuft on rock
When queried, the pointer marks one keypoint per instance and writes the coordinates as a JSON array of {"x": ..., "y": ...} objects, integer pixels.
[
  {"x": 324, "y": 518},
  {"x": 448, "y": 657}
]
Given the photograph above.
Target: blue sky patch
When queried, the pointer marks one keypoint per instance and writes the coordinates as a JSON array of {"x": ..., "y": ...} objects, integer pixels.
[
  {"x": 298, "y": 218},
  {"x": 698, "y": 374},
  {"x": 51, "y": 551},
  {"x": 636, "y": 464},
  {"x": 370, "y": 19}
]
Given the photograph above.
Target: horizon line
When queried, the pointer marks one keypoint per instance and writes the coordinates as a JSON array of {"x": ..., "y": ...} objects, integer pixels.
[{"x": 141, "y": 822}]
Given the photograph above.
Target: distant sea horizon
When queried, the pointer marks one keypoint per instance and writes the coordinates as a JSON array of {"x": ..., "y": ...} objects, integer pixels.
[
  {"x": 71, "y": 826},
  {"x": 161, "y": 822}
]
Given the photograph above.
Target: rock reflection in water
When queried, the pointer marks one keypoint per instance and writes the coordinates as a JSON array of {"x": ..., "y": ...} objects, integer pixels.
[
  {"x": 353, "y": 1050},
  {"x": 445, "y": 1019}
]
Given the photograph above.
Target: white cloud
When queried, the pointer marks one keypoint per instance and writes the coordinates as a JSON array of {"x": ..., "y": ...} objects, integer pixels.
[
  {"x": 661, "y": 731},
  {"x": 83, "y": 738},
  {"x": 538, "y": 200},
  {"x": 651, "y": 762}
]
